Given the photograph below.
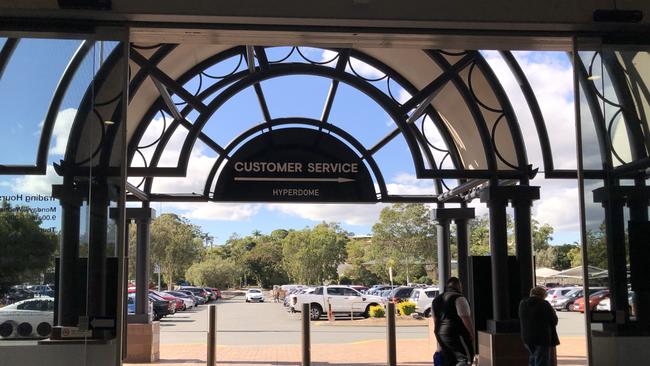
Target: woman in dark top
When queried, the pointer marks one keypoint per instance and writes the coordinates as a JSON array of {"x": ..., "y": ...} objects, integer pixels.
[{"x": 538, "y": 322}]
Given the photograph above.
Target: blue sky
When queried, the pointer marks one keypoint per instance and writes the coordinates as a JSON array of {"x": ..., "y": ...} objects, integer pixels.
[{"x": 29, "y": 80}]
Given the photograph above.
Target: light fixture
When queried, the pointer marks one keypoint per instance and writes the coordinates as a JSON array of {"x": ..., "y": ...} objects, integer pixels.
[
  {"x": 109, "y": 122},
  {"x": 593, "y": 77}
]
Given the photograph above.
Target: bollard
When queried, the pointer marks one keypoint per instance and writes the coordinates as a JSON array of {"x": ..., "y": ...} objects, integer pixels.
[
  {"x": 212, "y": 335},
  {"x": 390, "y": 334},
  {"x": 306, "y": 335}
]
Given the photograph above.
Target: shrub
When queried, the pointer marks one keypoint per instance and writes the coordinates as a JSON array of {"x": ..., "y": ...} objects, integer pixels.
[
  {"x": 406, "y": 308},
  {"x": 377, "y": 311}
]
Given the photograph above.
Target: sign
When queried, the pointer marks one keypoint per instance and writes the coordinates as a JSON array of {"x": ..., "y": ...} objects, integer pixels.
[
  {"x": 295, "y": 165},
  {"x": 74, "y": 332},
  {"x": 156, "y": 268}
]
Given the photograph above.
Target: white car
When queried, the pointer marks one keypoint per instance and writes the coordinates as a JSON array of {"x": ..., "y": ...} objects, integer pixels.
[
  {"x": 339, "y": 299},
  {"x": 423, "y": 297},
  {"x": 28, "y": 318},
  {"x": 604, "y": 305},
  {"x": 254, "y": 295}
]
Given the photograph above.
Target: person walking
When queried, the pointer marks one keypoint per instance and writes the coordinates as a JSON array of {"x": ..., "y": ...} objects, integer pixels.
[
  {"x": 538, "y": 323},
  {"x": 454, "y": 329}
]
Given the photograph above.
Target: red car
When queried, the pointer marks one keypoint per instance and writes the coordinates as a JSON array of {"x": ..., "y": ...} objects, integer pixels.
[
  {"x": 594, "y": 299},
  {"x": 216, "y": 292},
  {"x": 180, "y": 304}
]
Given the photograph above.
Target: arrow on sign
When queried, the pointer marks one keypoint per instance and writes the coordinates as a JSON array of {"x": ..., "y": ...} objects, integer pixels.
[{"x": 273, "y": 179}]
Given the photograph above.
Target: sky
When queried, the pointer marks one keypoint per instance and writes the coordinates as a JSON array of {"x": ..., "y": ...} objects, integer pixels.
[{"x": 29, "y": 80}]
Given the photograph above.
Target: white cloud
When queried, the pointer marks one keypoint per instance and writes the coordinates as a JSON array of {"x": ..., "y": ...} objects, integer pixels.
[
  {"x": 351, "y": 214},
  {"x": 61, "y": 131},
  {"x": 359, "y": 66},
  {"x": 558, "y": 205},
  {"x": 408, "y": 184},
  {"x": 552, "y": 83},
  {"x": 34, "y": 184},
  {"x": 216, "y": 211}
]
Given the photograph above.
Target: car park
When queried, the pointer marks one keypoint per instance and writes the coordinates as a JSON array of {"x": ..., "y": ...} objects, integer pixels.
[
  {"x": 197, "y": 299},
  {"x": 566, "y": 301},
  {"x": 197, "y": 291},
  {"x": 554, "y": 293},
  {"x": 422, "y": 298},
  {"x": 17, "y": 294},
  {"x": 31, "y": 318},
  {"x": 338, "y": 299},
  {"x": 254, "y": 295},
  {"x": 594, "y": 299}
]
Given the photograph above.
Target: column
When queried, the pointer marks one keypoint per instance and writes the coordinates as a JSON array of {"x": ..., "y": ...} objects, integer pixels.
[
  {"x": 99, "y": 203},
  {"x": 68, "y": 281},
  {"x": 142, "y": 266},
  {"x": 444, "y": 252},
  {"x": 524, "y": 237},
  {"x": 462, "y": 238},
  {"x": 496, "y": 202}
]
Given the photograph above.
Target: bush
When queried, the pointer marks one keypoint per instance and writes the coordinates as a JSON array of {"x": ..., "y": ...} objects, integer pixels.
[
  {"x": 377, "y": 311},
  {"x": 406, "y": 308}
]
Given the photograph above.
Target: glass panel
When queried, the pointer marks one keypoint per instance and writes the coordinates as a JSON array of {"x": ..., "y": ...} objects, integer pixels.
[
  {"x": 613, "y": 106},
  {"x": 63, "y": 100}
]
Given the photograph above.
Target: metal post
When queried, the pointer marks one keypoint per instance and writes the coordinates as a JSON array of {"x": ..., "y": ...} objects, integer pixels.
[
  {"x": 68, "y": 307},
  {"x": 142, "y": 266},
  {"x": 524, "y": 246},
  {"x": 390, "y": 334},
  {"x": 306, "y": 335},
  {"x": 462, "y": 236},
  {"x": 212, "y": 335},
  {"x": 498, "y": 252},
  {"x": 444, "y": 254},
  {"x": 97, "y": 249}
]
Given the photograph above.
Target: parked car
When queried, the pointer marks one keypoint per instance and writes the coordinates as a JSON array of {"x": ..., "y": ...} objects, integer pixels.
[
  {"x": 423, "y": 297},
  {"x": 29, "y": 318},
  {"x": 606, "y": 305},
  {"x": 216, "y": 292},
  {"x": 41, "y": 290},
  {"x": 341, "y": 299},
  {"x": 594, "y": 299},
  {"x": 17, "y": 294},
  {"x": 554, "y": 293},
  {"x": 400, "y": 294},
  {"x": 197, "y": 299},
  {"x": 161, "y": 307},
  {"x": 254, "y": 295},
  {"x": 565, "y": 302},
  {"x": 197, "y": 291},
  {"x": 188, "y": 301},
  {"x": 180, "y": 304},
  {"x": 131, "y": 306}
]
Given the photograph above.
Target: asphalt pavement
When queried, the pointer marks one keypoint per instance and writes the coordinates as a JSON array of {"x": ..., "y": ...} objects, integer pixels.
[{"x": 268, "y": 323}]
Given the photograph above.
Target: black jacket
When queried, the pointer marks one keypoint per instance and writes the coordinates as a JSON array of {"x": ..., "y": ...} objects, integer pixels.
[
  {"x": 446, "y": 316},
  {"x": 538, "y": 322}
]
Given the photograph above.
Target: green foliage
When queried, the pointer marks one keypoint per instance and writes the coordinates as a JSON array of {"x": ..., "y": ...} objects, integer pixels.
[
  {"x": 359, "y": 271},
  {"x": 312, "y": 256},
  {"x": 25, "y": 250},
  {"x": 175, "y": 245},
  {"x": 345, "y": 280},
  {"x": 404, "y": 239},
  {"x": 376, "y": 311},
  {"x": 558, "y": 257},
  {"x": 406, "y": 308},
  {"x": 214, "y": 271}
]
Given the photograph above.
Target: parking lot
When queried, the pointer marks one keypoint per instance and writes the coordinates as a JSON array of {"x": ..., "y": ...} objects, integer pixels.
[{"x": 266, "y": 334}]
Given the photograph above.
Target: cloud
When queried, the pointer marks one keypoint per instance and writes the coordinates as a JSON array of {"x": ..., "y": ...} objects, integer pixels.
[
  {"x": 34, "y": 184},
  {"x": 408, "y": 184},
  {"x": 216, "y": 211},
  {"x": 360, "y": 67},
  {"x": 61, "y": 131},
  {"x": 551, "y": 77},
  {"x": 351, "y": 214}
]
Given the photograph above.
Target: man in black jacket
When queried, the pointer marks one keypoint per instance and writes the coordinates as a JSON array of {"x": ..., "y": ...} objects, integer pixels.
[
  {"x": 538, "y": 322},
  {"x": 453, "y": 325}
]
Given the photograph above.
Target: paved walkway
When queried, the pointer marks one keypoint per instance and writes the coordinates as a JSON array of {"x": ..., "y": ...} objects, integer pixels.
[{"x": 365, "y": 353}]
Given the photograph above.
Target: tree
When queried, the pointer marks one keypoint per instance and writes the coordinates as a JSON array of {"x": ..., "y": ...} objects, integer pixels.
[
  {"x": 404, "y": 239},
  {"x": 214, "y": 271},
  {"x": 542, "y": 235},
  {"x": 175, "y": 245},
  {"x": 312, "y": 256},
  {"x": 264, "y": 263},
  {"x": 359, "y": 271},
  {"x": 26, "y": 250}
]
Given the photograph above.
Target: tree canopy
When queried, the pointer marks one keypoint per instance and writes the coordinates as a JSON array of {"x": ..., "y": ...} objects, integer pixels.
[{"x": 26, "y": 249}]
